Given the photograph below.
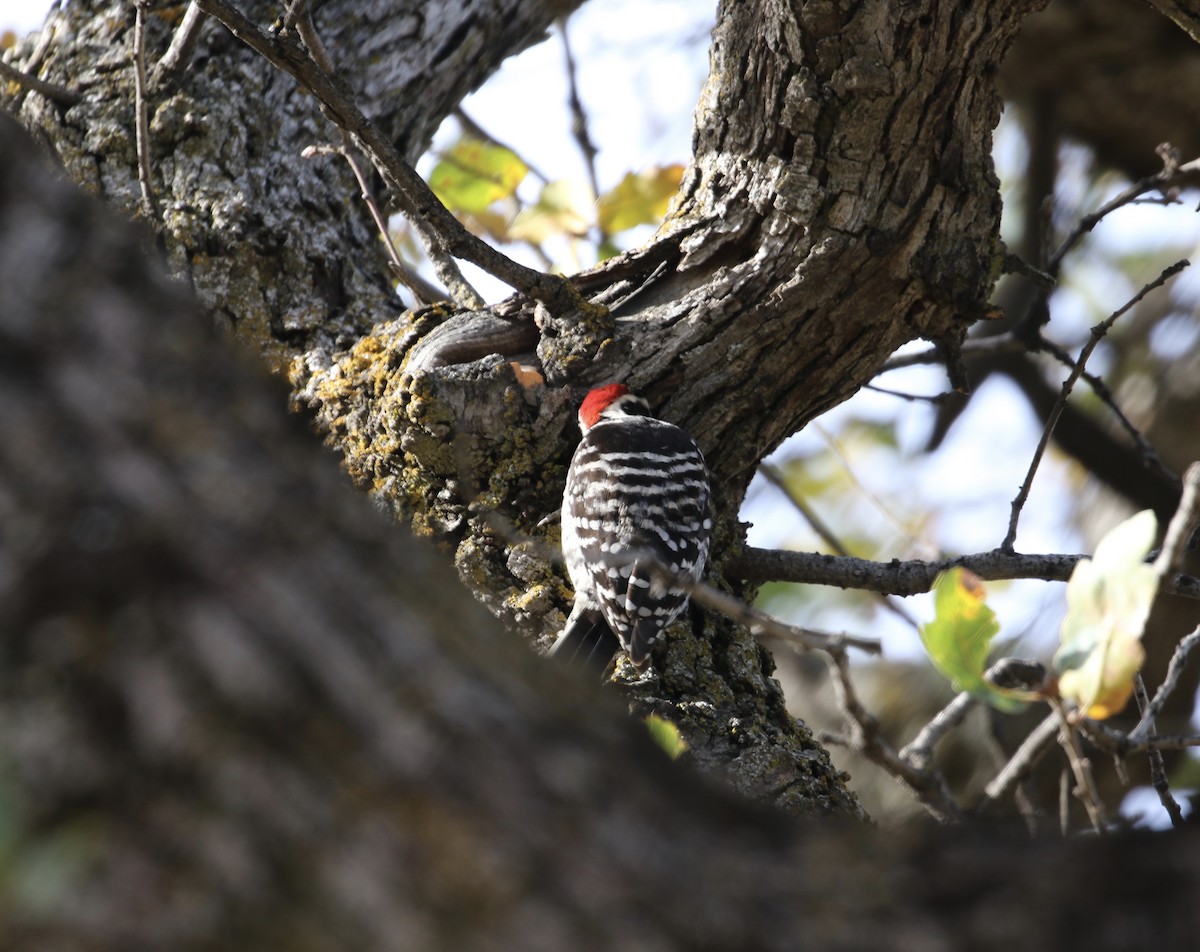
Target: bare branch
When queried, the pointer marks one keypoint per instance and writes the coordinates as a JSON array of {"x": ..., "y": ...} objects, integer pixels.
[
  {"x": 983, "y": 347},
  {"x": 760, "y": 624},
  {"x": 476, "y": 131},
  {"x": 419, "y": 204},
  {"x": 1182, "y": 524},
  {"x": 1118, "y": 743},
  {"x": 1097, "y": 335},
  {"x": 1158, "y": 770},
  {"x": 1175, "y": 541},
  {"x": 1150, "y": 456},
  {"x": 772, "y": 475},
  {"x": 818, "y": 525},
  {"x": 52, "y": 91},
  {"x": 1184, "y": 15},
  {"x": 444, "y": 266},
  {"x": 422, "y": 290},
  {"x": 1032, "y": 749},
  {"x": 183, "y": 44},
  {"x": 913, "y": 577},
  {"x": 142, "y": 125},
  {"x": 1085, "y": 784},
  {"x": 1171, "y": 175},
  {"x": 919, "y": 751},
  {"x": 1175, "y": 668},
  {"x": 579, "y": 119},
  {"x": 294, "y": 11},
  {"x": 926, "y": 783},
  {"x": 934, "y": 399}
]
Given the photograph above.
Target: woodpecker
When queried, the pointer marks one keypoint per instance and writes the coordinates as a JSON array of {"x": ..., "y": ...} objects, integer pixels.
[{"x": 637, "y": 493}]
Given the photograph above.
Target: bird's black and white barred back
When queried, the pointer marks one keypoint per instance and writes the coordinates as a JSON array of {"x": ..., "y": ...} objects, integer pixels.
[{"x": 637, "y": 493}]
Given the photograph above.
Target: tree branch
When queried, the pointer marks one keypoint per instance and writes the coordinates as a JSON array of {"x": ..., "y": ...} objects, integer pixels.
[
  {"x": 913, "y": 577},
  {"x": 52, "y": 91},
  {"x": 183, "y": 44},
  {"x": 416, "y": 199},
  {"x": 141, "y": 120},
  {"x": 1097, "y": 334}
]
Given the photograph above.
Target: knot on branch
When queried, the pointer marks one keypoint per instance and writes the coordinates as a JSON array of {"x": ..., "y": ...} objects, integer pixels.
[{"x": 471, "y": 336}]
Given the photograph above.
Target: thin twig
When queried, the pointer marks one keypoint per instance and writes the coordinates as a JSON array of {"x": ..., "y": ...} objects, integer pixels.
[
  {"x": 298, "y": 17},
  {"x": 927, "y": 784},
  {"x": 760, "y": 624},
  {"x": 1023, "y": 796},
  {"x": 1097, "y": 335},
  {"x": 913, "y": 577},
  {"x": 920, "y": 749},
  {"x": 1119, "y": 744},
  {"x": 935, "y": 399},
  {"x": 1081, "y": 767},
  {"x": 1175, "y": 668},
  {"x": 818, "y": 525},
  {"x": 1158, "y": 770},
  {"x": 25, "y": 75},
  {"x": 1175, "y": 541},
  {"x": 579, "y": 119},
  {"x": 472, "y": 128},
  {"x": 1026, "y": 757},
  {"x": 444, "y": 266},
  {"x": 294, "y": 11},
  {"x": 183, "y": 44},
  {"x": 835, "y": 447},
  {"x": 142, "y": 124},
  {"x": 422, "y": 290},
  {"x": 437, "y": 227},
  {"x": 52, "y": 91},
  {"x": 1171, "y": 175},
  {"x": 1182, "y": 524},
  {"x": 1150, "y": 456},
  {"x": 1064, "y": 801}
]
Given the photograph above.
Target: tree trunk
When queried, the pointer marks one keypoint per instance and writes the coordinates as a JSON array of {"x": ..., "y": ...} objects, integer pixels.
[{"x": 840, "y": 203}]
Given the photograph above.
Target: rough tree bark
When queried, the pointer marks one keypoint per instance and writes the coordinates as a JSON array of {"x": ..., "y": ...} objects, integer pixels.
[{"x": 239, "y": 709}]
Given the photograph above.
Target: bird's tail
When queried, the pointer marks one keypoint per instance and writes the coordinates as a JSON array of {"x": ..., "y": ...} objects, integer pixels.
[{"x": 587, "y": 641}]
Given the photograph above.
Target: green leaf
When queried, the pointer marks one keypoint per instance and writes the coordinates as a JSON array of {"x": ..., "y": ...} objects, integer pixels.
[
  {"x": 666, "y": 735},
  {"x": 473, "y": 174},
  {"x": 1108, "y": 599},
  {"x": 639, "y": 198},
  {"x": 960, "y": 636},
  {"x": 563, "y": 208}
]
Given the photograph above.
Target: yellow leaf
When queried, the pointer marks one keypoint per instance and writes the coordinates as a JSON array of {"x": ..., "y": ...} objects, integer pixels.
[
  {"x": 473, "y": 174},
  {"x": 640, "y": 199},
  {"x": 563, "y": 208},
  {"x": 1103, "y": 684},
  {"x": 1108, "y": 600}
]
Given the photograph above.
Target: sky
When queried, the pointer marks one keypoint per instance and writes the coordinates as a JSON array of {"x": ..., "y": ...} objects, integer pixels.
[{"x": 21, "y": 16}]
